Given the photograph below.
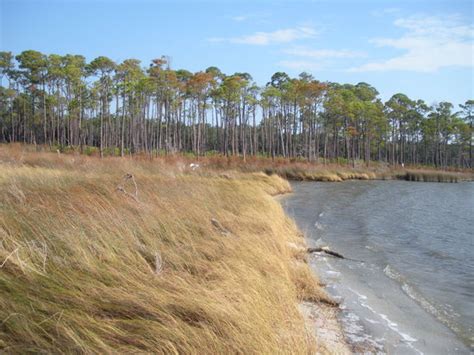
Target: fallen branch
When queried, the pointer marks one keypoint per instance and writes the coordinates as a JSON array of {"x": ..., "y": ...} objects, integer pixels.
[
  {"x": 325, "y": 250},
  {"x": 121, "y": 188},
  {"x": 330, "y": 252}
]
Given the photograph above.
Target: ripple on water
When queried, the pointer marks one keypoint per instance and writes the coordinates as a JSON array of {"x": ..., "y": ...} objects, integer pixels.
[{"x": 446, "y": 316}]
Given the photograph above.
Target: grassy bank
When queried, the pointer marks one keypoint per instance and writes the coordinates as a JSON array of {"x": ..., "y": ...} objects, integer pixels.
[
  {"x": 332, "y": 172},
  {"x": 182, "y": 262},
  {"x": 290, "y": 169},
  {"x": 422, "y": 175}
]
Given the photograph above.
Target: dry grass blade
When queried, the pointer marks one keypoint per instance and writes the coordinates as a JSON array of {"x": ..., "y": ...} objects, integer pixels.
[
  {"x": 8, "y": 257},
  {"x": 158, "y": 263},
  {"x": 80, "y": 262}
]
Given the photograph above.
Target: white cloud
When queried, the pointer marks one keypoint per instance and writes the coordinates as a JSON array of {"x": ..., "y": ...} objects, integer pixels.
[
  {"x": 257, "y": 17},
  {"x": 429, "y": 44},
  {"x": 324, "y": 53},
  {"x": 286, "y": 35},
  {"x": 240, "y": 18},
  {"x": 316, "y": 59}
]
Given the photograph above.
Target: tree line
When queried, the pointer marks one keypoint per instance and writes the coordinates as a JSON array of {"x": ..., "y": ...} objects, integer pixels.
[{"x": 124, "y": 108}]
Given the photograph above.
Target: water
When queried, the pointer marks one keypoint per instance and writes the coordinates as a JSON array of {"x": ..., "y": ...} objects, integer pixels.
[{"x": 414, "y": 290}]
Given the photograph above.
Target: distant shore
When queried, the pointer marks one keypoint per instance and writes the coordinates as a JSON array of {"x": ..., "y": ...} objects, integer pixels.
[{"x": 297, "y": 169}]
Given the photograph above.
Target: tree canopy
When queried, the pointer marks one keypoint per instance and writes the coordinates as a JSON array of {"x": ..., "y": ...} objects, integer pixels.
[{"x": 125, "y": 108}]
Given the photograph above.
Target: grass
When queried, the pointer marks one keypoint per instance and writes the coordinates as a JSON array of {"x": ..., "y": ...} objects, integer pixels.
[
  {"x": 305, "y": 171},
  {"x": 297, "y": 169},
  {"x": 89, "y": 268},
  {"x": 432, "y": 176},
  {"x": 315, "y": 174}
]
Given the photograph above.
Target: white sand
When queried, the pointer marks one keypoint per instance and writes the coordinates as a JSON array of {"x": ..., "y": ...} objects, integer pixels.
[{"x": 321, "y": 320}]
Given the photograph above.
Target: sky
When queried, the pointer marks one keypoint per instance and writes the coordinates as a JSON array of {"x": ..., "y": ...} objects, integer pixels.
[{"x": 422, "y": 48}]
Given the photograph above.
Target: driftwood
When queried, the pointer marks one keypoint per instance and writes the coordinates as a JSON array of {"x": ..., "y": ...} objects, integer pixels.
[
  {"x": 325, "y": 250},
  {"x": 328, "y": 251},
  {"x": 129, "y": 177}
]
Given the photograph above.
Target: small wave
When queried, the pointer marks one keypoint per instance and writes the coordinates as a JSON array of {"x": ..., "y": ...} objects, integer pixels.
[
  {"x": 333, "y": 273},
  {"x": 372, "y": 321},
  {"x": 394, "y": 275},
  {"x": 443, "y": 316},
  {"x": 392, "y": 325},
  {"x": 319, "y": 226},
  {"x": 410, "y": 291},
  {"x": 406, "y": 338},
  {"x": 360, "y": 295},
  {"x": 328, "y": 265},
  {"x": 356, "y": 333},
  {"x": 371, "y": 248},
  {"x": 415, "y": 296},
  {"x": 365, "y": 305}
]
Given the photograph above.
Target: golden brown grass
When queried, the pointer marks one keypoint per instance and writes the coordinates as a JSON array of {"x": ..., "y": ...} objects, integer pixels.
[
  {"x": 324, "y": 174},
  {"x": 79, "y": 259},
  {"x": 425, "y": 175},
  {"x": 289, "y": 168}
]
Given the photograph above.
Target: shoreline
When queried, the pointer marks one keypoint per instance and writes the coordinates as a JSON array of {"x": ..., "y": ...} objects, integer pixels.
[
  {"x": 326, "y": 323},
  {"x": 364, "y": 306},
  {"x": 365, "y": 343},
  {"x": 321, "y": 319},
  {"x": 323, "y": 322}
]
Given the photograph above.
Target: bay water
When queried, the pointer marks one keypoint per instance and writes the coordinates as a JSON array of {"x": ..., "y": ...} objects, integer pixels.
[{"x": 409, "y": 286}]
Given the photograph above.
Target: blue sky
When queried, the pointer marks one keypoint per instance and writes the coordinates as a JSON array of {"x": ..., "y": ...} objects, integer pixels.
[{"x": 421, "y": 48}]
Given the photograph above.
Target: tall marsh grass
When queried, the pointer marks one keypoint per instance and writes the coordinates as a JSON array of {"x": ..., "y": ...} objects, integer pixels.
[
  {"x": 85, "y": 267},
  {"x": 431, "y": 176}
]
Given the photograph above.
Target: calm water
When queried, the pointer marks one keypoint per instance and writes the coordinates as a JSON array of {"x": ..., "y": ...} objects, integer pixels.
[{"x": 413, "y": 292}]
